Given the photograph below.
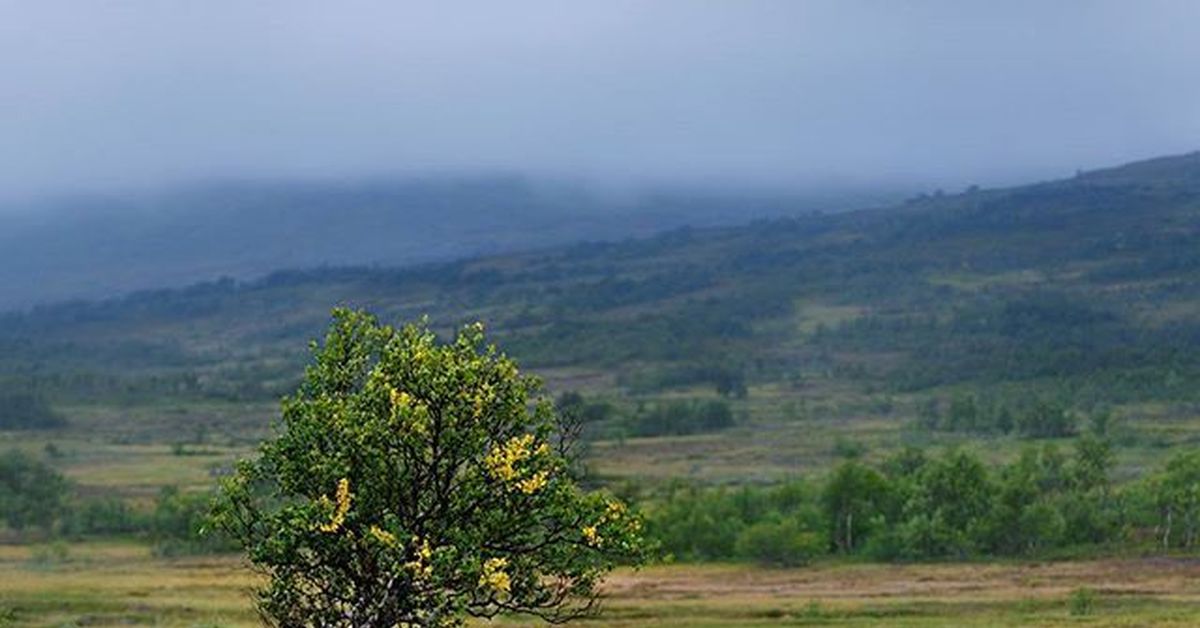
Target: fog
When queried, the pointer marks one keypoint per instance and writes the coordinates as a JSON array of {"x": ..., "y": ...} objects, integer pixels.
[{"x": 118, "y": 95}]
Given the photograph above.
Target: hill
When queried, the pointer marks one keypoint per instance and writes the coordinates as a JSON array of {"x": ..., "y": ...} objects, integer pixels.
[
  {"x": 99, "y": 247},
  {"x": 950, "y": 317}
]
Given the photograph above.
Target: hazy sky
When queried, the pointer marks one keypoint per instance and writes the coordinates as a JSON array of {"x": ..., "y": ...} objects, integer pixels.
[{"x": 100, "y": 94}]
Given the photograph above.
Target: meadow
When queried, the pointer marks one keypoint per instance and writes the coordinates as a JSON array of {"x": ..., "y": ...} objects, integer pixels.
[{"x": 123, "y": 583}]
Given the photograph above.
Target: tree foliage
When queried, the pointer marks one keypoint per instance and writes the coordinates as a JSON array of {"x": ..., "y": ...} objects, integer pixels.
[
  {"x": 414, "y": 482},
  {"x": 31, "y": 493}
]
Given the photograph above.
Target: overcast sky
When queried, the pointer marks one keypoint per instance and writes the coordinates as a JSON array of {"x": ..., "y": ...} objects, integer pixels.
[{"x": 100, "y": 95}]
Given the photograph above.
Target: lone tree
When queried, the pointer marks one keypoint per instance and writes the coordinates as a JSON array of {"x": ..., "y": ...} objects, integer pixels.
[{"x": 413, "y": 483}]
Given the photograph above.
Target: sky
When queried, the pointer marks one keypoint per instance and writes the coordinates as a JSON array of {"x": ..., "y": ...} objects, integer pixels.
[{"x": 110, "y": 95}]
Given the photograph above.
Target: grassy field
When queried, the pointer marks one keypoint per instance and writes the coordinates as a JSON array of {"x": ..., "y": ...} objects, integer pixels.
[
  {"x": 782, "y": 433},
  {"x": 123, "y": 583}
]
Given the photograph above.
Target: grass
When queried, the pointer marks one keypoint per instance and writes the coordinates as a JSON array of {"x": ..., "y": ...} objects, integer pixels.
[
  {"x": 128, "y": 470},
  {"x": 784, "y": 431},
  {"x": 118, "y": 583},
  {"x": 110, "y": 583}
]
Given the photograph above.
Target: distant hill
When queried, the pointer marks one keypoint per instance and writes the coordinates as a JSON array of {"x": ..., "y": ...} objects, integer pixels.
[
  {"x": 1088, "y": 288},
  {"x": 89, "y": 248}
]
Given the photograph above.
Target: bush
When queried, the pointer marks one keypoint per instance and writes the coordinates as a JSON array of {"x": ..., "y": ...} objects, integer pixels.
[
  {"x": 780, "y": 543},
  {"x": 692, "y": 523},
  {"x": 1082, "y": 602},
  {"x": 695, "y": 524},
  {"x": 848, "y": 449},
  {"x": 105, "y": 516},
  {"x": 31, "y": 493},
  {"x": 180, "y": 525},
  {"x": 1047, "y": 420}
]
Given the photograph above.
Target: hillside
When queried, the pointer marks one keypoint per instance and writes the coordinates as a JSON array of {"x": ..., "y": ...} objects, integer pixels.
[
  {"x": 1081, "y": 293},
  {"x": 91, "y": 247}
]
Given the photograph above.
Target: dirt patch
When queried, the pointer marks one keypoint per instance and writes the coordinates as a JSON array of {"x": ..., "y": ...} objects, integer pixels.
[{"x": 1154, "y": 577}]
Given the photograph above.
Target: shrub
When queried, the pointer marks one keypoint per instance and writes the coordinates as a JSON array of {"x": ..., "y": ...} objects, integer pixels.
[
  {"x": 103, "y": 516},
  {"x": 31, "y": 493},
  {"x": 1082, "y": 602},
  {"x": 180, "y": 525}
]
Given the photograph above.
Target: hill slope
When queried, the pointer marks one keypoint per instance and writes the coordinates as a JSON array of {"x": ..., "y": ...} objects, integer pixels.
[
  {"x": 102, "y": 247},
  {"x": 1086, "y": 290}
]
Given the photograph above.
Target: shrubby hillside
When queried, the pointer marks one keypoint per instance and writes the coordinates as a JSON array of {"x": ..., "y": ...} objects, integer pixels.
[{"x": 976, "y": 313}]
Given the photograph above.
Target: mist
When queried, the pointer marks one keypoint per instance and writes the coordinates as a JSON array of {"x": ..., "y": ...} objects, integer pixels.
[{"x": 117, "y": 96}]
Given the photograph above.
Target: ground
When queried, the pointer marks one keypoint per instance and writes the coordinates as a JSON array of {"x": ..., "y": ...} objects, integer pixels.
[{"x": 121, "y": 583}]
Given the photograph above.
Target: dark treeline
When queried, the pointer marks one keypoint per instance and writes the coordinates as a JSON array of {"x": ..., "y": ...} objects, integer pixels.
[{"x": 950, "y": 505}]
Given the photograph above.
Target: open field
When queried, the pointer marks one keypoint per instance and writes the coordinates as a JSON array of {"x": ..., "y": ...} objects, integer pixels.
[{"x": 122, "y": 583}]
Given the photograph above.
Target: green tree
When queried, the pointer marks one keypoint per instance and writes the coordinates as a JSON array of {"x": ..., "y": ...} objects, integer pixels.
[
  {"x": 1178, "y": 498},
  {"x": 855, "y": 501},
  {"x": 1022, "y": 517},
  {"x": 178, "y": 521},
  {"x": 696, "y": 524},
  {"x": 1093, "y": 462},
  {"x": 950, "y": 504},
  {"x": 31, "y": 493},
  {"x": 414, "y": 482},
  {"x": 780, "y": 542},
  {"x": 1047, "y": 419}
]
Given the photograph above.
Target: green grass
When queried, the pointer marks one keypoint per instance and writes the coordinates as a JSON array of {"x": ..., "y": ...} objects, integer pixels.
[{"x": 783, "y": 432}]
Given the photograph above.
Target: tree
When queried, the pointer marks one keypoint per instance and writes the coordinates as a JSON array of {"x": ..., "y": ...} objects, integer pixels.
[
  {"x": 781, "y": 542},
  {"x": 951, "y": 501},
  {"x": 1023, "y": 518},
  {"x": 1093, "y": 462},
  {"x": 31, "y": 493},
  {"x": 1047, "y": 419},
  {"x": 413, "y": 482},
  {"x": 855, "y": 500},
  {"x": 1177, "y": 493}
]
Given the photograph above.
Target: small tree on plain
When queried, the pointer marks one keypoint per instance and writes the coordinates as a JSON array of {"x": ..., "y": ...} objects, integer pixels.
[{"x": 414, "y": 483}]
